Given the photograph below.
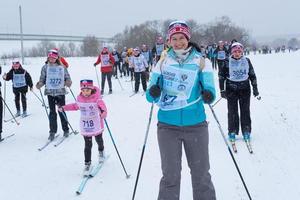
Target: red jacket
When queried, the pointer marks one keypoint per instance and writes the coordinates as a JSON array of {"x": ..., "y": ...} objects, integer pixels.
[{"x": 107, "y": 62}]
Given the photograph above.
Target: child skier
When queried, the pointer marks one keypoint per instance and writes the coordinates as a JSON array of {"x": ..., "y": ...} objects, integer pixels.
[
  {"x": 21, "y": 80},
  {"x": 93, "y": 111},
  {"x": 236, "y": 73},
  {"x": 139, "y": 64},
  {"x": 55, "y": 77}
]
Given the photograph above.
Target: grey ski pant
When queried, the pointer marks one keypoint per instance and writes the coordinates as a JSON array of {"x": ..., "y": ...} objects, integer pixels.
[{"x": 195, "y": 142}]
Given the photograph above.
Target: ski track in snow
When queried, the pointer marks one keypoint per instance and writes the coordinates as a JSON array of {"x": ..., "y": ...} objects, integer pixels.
[{"x": 272, "y": 172}]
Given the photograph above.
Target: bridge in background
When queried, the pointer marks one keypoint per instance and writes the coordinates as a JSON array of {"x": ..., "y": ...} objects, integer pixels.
[{"x": 38, "y": 37}]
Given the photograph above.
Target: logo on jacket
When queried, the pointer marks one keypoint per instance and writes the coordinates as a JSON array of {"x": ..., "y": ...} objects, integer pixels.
[
  {"x": 181, "y": 87},
  {"x": 184, "y": 77}
]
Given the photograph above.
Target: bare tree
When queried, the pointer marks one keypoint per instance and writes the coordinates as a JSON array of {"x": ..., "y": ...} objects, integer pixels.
[{"x": 90, "y": 46}]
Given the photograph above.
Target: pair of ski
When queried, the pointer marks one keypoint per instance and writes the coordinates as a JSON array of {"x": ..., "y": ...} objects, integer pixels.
[
  {"x": 136, "y": 93},
  {"x": 13, "y": 118},
  {"x": 58, "y": 142},
  {"x": 92, "y": 173},
  {"x": 6, "y": 137},
  {"x": 247, "y": 142}
]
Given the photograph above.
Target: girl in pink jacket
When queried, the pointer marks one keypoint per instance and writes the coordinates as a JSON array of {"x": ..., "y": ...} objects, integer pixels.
[{"x": 93, "y": 111}]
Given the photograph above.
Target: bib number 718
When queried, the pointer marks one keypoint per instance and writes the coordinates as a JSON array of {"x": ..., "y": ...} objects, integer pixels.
[{"x": 88, "y": 123}]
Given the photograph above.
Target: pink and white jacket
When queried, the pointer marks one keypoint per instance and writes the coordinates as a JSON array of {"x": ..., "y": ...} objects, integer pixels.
[{"x": 93, "y": 111}]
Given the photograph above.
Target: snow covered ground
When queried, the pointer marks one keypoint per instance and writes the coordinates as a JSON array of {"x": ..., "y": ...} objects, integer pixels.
[{"x": 272, "y": 172}]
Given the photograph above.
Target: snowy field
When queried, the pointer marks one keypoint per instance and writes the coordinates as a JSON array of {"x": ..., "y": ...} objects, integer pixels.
[{"x": 271, "y": 173}]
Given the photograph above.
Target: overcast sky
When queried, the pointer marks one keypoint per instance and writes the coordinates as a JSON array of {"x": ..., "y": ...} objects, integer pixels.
[{"x": 105, "y": 18}]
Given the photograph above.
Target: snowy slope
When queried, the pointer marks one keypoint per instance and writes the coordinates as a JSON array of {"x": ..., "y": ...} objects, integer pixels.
[{"x": 272, "y": 172}]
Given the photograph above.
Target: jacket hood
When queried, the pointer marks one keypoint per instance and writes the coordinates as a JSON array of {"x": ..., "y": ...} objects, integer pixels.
[{"x": 93, "y": 98}]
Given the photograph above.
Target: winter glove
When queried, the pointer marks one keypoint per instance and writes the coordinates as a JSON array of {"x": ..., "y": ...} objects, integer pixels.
[
  {"x": 68, "y": 83},
  {"x": 207, "y": 96},
  {"x": 103, "y": 115},
  {"x": 255, "y": 91},
  {"x": 95, "y": 64},
  {"x": 60, "y": 109},
  {"x": 4, "y": 76},
  {"x": 39, "y": 85},
  {"x": 223, "y": 94},
  {"x": 155, "y": 91}
]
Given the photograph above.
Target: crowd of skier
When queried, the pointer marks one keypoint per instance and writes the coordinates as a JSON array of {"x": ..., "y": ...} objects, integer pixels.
[{"x": 181, "y": 81}]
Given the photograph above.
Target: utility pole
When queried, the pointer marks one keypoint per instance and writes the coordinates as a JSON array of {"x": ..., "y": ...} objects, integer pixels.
[{"x": 21, "y": 34}]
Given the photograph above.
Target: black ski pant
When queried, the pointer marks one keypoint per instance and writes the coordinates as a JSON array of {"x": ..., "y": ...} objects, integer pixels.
[
  {"x": 105, "y": 75},
  {"x": 125, "y": 69},
  {"x": 88, "y": 141},
  {"x": 239, "y": 98},
  {"x": 117, "y": 66},
  {"x": 140, "y": 76},
  {"x": 221, "y": 64},
  {"x": 21, "y": 94},
  {"x": 214, "y": 63},
  {"x": 60, "y": 101}
]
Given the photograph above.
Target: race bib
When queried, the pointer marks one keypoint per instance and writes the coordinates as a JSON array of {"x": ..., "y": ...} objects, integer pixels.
[
  {"x": 19, "y": 80},
  {"x": 238, "y": 69},
  {"x": 55, "y": 77},
  {"x": 89, "y": 119},
  {"x": 221, "y": 55},
  {"x": 178, "y": 85},
  {"x": 159, "y": 49},
  {"x": 105, "y": 60}
]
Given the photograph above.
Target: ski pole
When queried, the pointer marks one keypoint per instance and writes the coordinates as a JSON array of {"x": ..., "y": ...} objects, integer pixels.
[
  {"x": 44, "y": 103},
  {"x": 72, "y": 94},
  {"x": 39, "y": 98},
  {"x": 120, "y": 84},
  {"x": 230, "y": 152},
  {"x": 97, "y": 76},
  {"x": 65, "y": 116},
  {"x": 217, "y": 102},
  {"x": 9, "y": 111},
  {"x": 113, "y": 141},
  {"x": 4, "y": 97},
  {"x": 143, "y": 150}
]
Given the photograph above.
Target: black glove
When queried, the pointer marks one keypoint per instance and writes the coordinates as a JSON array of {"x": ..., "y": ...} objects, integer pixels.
[
  {"x": 95, "y": 64},
  {"x": 223, "y": 94},
  {"x": 207, "y": 96},
  {"x": 255, "y": 91},
  {"x": 155, "y": 91}
]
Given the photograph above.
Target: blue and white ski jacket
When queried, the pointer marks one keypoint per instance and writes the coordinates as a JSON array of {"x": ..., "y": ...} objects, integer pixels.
[{"x": 180, "y": 102}]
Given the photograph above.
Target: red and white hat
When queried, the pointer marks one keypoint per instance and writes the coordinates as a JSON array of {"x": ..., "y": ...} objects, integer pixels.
[
  {"x": 86, "y": 84},
  {"x": 52, "y": 54},
  {"x": 179, "y": 27}
]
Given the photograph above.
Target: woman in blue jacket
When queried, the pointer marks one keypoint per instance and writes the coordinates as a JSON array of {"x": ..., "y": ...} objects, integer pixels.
[{"x": 180, "y": 84}]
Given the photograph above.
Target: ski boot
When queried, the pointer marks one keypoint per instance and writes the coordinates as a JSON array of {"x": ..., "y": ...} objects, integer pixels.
[
  {"x": 18, "y": 113},
  {"x": 66, "y": 133},
  {"x": 87, "y": 168},
  {"x": 51, "y": 136},
  {"x": 246, "y": 136},
  {"x": 101, "y": 156},
  {"x": 24, "y": 114},
  {"x": 231, "y": 137}
]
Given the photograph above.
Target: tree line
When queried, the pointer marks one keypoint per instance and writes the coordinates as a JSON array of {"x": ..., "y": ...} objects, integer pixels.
[{"x": 146, "y": 33}]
